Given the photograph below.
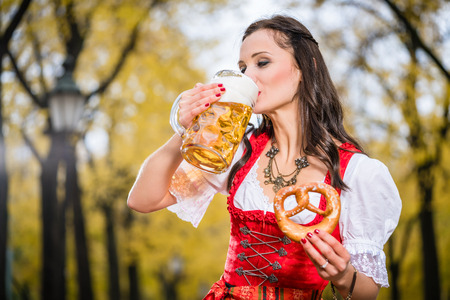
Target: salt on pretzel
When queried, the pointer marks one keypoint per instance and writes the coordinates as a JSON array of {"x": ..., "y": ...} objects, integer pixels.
[{"x": 295, "y": 231}]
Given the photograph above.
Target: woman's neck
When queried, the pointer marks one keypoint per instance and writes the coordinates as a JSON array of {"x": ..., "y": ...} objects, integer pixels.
[{"x": 287, "y": 134}]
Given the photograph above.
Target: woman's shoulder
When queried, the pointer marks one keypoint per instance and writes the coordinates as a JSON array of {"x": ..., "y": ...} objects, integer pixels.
[
  {"x": 370, "y": 181},
  {"x": 362, "y": 164}
]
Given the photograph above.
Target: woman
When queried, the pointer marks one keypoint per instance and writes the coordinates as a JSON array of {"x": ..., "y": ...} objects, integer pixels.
[{"x": 301, "y": 140}]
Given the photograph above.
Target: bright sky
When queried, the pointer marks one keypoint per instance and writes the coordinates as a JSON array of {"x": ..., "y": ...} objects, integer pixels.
[{"x": 227, "y": 26}]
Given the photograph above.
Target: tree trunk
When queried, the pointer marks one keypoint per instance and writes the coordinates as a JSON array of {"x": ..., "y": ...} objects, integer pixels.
[
  {"x": 113, "y": 262},
  {"x": 3, "y": 201},
  {"x": 133, "y": 281},
  {"x": 53, "y": 282},
  {"x": 430, "y": 256},
  {"x": 425, "y": 165},
  {"x": 74, "y": 196},
  {"x": 5, "y": 37},
  {"x": 394, "y": 268}
]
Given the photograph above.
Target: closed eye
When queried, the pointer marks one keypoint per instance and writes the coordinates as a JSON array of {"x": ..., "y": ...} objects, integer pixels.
[{"x": 262, "y": 63}]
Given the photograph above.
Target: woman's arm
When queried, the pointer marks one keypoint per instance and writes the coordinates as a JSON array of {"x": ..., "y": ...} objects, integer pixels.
[
  {"x": 370, "y": 210},
  {"x": 364, "y": 287},
  {"x": 150, "y": 191}
]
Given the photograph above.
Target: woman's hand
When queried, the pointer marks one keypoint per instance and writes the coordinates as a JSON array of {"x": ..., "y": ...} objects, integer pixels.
[
  {"x": 196, "y": 100},
  {"x": 332, "y": 262},
  {"x": 328, "y": 255}
]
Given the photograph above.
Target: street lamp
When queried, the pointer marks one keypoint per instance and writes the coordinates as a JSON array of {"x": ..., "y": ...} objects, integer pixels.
[
  {"x": 176, "y": 266},
  {"x": 66, "y": 104},
  {"x": 172, "y": 277}
]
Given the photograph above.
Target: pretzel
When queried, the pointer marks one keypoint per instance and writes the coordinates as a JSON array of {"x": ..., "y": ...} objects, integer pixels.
[{"x": 295, "y": 231}]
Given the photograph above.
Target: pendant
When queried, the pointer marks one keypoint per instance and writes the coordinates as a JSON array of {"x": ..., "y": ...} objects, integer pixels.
[
  {"x": 276, "y": 188},
  {"x": 278, "y": 181}
]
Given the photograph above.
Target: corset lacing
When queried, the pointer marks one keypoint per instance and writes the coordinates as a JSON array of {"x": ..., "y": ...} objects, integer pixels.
[{"x": 258, "y": 272}]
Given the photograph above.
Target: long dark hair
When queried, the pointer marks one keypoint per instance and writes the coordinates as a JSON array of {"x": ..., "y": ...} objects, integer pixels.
[{"x": 319, "y": 105}]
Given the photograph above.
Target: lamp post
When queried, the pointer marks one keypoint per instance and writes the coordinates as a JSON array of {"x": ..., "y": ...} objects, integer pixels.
[
  {"x": 65, "y": 104},
  {"x": 171, "y": 276}
]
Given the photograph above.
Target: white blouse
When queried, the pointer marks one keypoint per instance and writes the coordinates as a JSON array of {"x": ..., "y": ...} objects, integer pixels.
[{"x": 370, "y": 208}]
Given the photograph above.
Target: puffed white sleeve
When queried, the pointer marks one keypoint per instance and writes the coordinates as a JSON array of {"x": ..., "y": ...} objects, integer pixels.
[
  {"x": 194, "y": 189},
  {"x": 370, "y": 212}
]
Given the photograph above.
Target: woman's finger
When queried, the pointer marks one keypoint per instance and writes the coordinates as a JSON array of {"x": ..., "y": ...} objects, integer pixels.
[
  {"x": 202, "y": 94},
  {"x": 337, "y": 247},
  {"x": 331, "y": 249},
  {"x": 199, "y": 88},
  {"x": 313, "y": 252},
  {"x": 328, "y": 255},
  {"x": 193, "y": 110},
  {"x": 195, "y": 101}
]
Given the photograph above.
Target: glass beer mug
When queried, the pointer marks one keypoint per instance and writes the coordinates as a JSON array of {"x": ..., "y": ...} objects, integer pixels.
[{"x": 214, "y": 136}]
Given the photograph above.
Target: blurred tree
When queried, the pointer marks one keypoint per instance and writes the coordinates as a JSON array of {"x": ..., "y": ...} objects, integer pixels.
[
  {"x": 396, "y": 53},
  {"x": 7, "y": 26},
  {"x": 121, "y": 54},
  {"x": 73, "y": 34},
  {"x": 134, "y": 115}
]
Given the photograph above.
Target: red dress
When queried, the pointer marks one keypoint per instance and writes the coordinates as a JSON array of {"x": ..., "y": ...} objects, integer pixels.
[{"x": 260, "y": 257}]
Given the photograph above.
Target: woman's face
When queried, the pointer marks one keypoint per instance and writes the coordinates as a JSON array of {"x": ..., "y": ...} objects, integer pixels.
[{"x": 272, "y": 68}]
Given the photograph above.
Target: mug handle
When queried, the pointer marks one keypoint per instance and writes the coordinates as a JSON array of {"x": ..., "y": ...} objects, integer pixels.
[{"x": 176, "y": 126}]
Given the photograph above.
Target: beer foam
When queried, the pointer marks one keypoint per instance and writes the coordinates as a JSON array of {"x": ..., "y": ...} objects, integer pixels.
[{"x": 239, "y": 87}]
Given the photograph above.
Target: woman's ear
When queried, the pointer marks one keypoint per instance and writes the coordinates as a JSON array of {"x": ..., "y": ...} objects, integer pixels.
[
  {"x": 298, "y": 73},
  {"x": 315, "y": 63}
]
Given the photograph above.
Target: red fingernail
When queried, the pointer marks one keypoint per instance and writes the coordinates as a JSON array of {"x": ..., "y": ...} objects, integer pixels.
[
  {"x": 220, "y": 85},
  {"x": 309, "y": 234},
  {"x": 222, "y": 89},
  {"x": 316, "y": 231},
  {"x": 207, "y": 104},
  {"x": 217, "y": 95},
  {"x": 303, "y": 241}
]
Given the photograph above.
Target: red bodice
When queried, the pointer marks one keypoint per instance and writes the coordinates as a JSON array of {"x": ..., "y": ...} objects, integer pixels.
[{"x": 259, "y": 253}]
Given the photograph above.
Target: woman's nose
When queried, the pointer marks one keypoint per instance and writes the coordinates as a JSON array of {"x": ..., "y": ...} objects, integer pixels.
[{"x": 251, "y": 73}]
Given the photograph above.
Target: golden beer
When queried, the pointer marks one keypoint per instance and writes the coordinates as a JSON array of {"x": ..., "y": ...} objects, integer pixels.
[{"x": 213, "y": 138}]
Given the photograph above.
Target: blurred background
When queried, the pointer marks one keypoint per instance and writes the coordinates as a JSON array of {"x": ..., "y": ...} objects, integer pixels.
[{"x": 86, "y": 90}]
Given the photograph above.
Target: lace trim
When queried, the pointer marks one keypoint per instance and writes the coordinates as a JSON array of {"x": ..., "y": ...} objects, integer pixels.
[
  {"x": 252, "y": 189},
  {"x": 258, "y": 145},
  {"x": 253, "y": 181},
  {"x": 370, "y": 260},
  {"x": 193, "y": 195},
  {"x": 252, "y": 215}
]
